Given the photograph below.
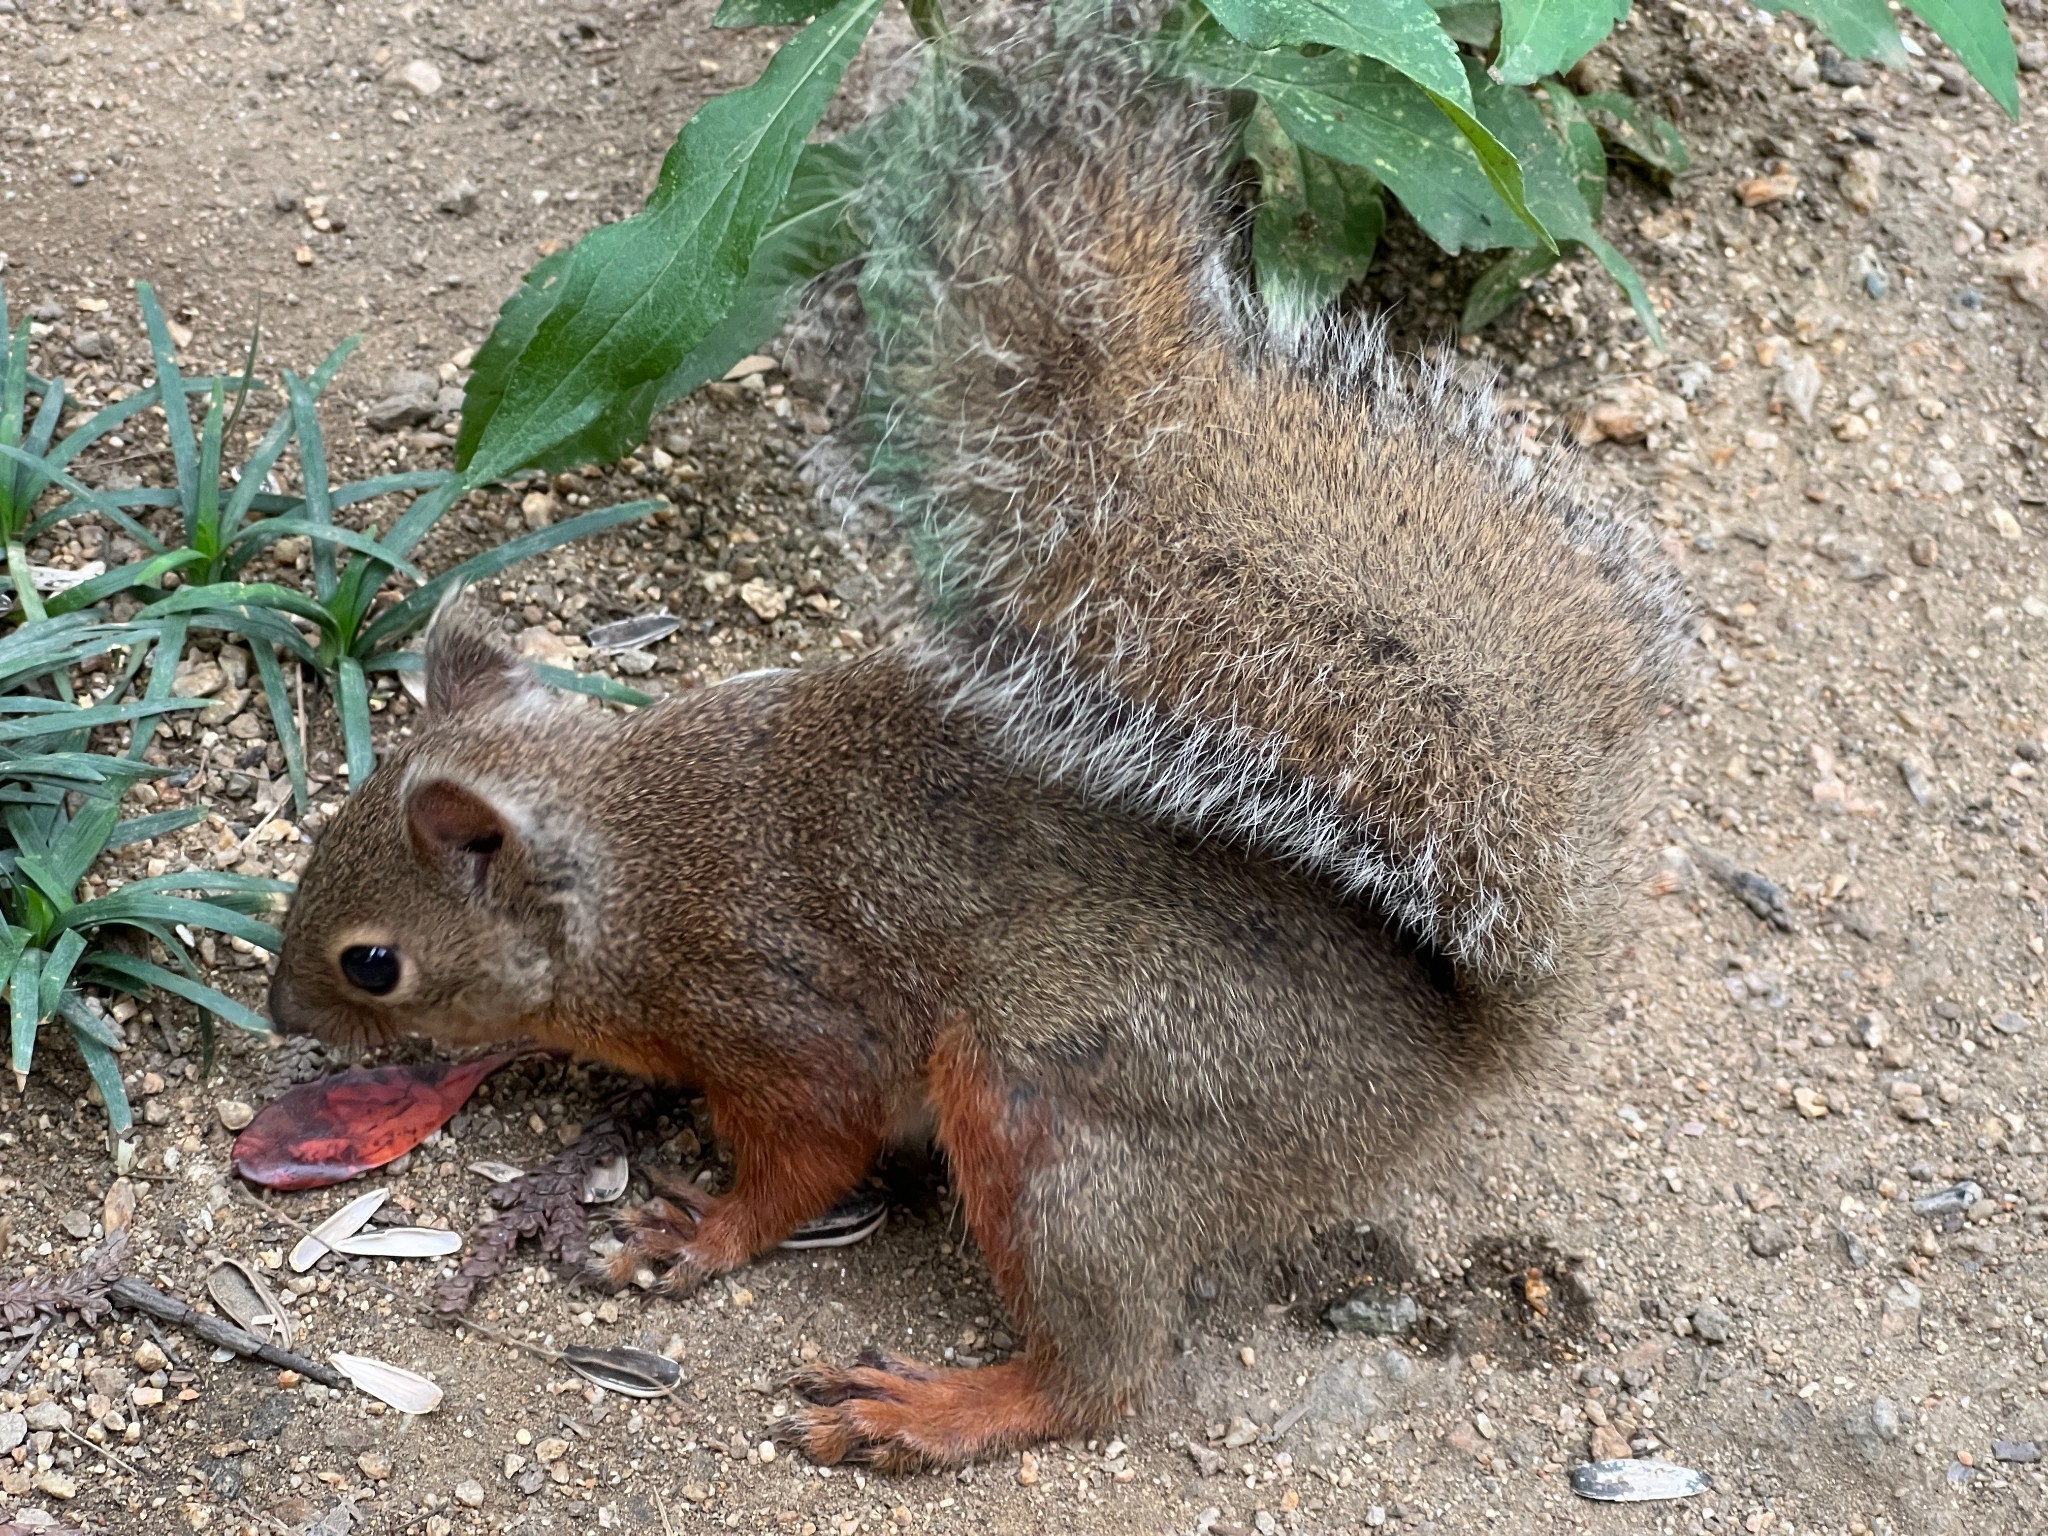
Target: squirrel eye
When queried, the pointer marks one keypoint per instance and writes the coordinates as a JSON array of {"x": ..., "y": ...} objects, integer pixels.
[{"x": 372, "y": 968}]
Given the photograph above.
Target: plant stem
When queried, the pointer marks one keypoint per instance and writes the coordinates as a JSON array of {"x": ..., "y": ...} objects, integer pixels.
[{"x": 928, "y": 20}]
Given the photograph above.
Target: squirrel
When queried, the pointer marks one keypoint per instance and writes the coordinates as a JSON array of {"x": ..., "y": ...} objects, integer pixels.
[{"x": 1252, "y": 791}]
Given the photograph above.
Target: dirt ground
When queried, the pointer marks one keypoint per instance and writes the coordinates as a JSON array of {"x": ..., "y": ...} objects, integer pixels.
[{"x": 1728, "y": 1232}]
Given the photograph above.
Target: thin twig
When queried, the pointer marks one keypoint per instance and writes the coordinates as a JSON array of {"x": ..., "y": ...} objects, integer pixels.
[
  {"x": 108, "y": 1456},
  {"x": 138, "y": 1297},
  {"x": 14, "y": 1362}
]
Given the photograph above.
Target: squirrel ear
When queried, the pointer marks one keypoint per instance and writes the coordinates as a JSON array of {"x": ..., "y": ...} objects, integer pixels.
[
  {"x": 448, "y": 822},
  {"x": 468, "y": 663}
]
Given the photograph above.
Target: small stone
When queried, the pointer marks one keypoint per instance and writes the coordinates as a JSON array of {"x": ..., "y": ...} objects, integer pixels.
[
  {"x": 550, "y": 1451},
  {"x": 2033, "y": 56},
  {"x": 469, "y": 1493},
  {"x": 1811, "y": 1104},
  {"x": 1799, "y": 386},
  {"x": 419, "y": 75},
  {"x": 13, "y": 1431},
  {"x": 1242, "y": 1431},
  {"x": 1870, "y": 1031},
  {"x": 89, "y": 344},
  {"x": 537, "y": 509},
  {"x": 58, "y": 1484},
  {"x": 146, "y": 1397},
  {"x": 285, "y": 199},
  {"x": 1849, "y": 427},
  {"x": 148, "y": 1357},
  {"x": 1027, "y": 1469},
  {"x": 1958, "y": 1197},
  {"x": 76, "y": 1224},
  {"x": 459, "y": 199},
  {"x": 234, "y": 1113},
  {"x": 303, "y": 255},
  {"x": 1760, "y": 191},
  {"x": 2018, "y": 1452},
  {"x": 1924, "y": 550},
  {"x": 374, "y": 1464},
  {"x": 1769, "y": 1239},
  {"x": 47, "y": 1417},
  {"x": 1610, "y": 1444},
  {"x": 1374, "y": 1309},
  {"x": 1861, "y": 182},
  {"x": 765, "y": 598},
  {"x": 1914, "y": 774},
  {"x": 1955, "y": 80},
  {"x": 1712, "y": 1324},
  {"x": 2004, "y": 524},
  {"x": 1842, "y": 72}
]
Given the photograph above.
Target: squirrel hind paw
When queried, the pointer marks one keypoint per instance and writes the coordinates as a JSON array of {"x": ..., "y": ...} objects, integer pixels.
[{"x": 899, "y": 1416}]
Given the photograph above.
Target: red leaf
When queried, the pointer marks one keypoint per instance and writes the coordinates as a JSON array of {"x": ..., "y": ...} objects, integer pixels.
[{"x": 337, "y": 1127}]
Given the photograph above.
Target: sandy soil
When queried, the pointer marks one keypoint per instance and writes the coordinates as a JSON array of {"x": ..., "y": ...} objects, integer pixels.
[{"x": 1716, "y": 1201}]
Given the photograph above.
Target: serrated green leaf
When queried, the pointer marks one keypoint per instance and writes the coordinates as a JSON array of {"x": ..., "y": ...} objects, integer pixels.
[
  {"x": 636, "y": 296},
  {"x": 1405, "y": 34},
  {"x": 1975, "y": 29},
  {"x": 1500, "y": 287},
  {"x": 1547, "y": 37},
  {"x": 1317, "y": 223},
  {"x": 811, "y": 233},
  {"x": 1361, "y": 113}
]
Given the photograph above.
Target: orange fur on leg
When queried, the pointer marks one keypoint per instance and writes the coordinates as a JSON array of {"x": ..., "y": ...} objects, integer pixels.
[{"x": 896, "y": 1414}]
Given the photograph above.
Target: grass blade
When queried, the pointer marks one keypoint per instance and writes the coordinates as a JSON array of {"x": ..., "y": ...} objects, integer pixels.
[
  {"x": 352, "y": 700},
  {"x": 132, "y": 975},
  {"x": 281, "y": 720}
]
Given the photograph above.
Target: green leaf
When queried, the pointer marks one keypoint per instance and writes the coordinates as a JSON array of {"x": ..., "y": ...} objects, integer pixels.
[
  {"x": 1582, "y": 146},
  {"x": 1553, "y": 185},
  {"x": 1499, "y": 163},
  {"x": 57, "y": 971},
  {"x": 403, "y": 617},
  {"x": 141, "y": 829},
  {"x": 636, "y": 296},
  {"x": 519, "y": 319},
  {"x": 1975, "y": 29},
  {"x": 1863, "y": 29},
  {"x": 1477, "y": 23},
  {"x": 811, "y": 233},
  {"x": 1317, "y": 223},
  {"x": 282, "y": 720},
  {"x": 1360, "y": 112},
  {"x": 595, "y": 684},
  {"x": 24, "y": 1000},
  {"x": 126, "y": 906},
  {"x": 1642, "y": 133},
  {"x": 100, "y": 1061},
  {"x": 352, "y": 702},
  {"x": 1500, "y": 287},
  {"x": 144, "y": 573},
  {"x": 764, "y": 13},
  {"x": 1547, "y": 37},
  {"x": 328, "y": 536},
  {"x": 1403, "y": 33},
  {"x": 171, "y": 388},
  {"x": 228, "y": 595},
  {"x": 137, "y": 976}
]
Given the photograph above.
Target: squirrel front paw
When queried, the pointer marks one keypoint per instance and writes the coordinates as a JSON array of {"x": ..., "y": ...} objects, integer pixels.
[{"x": 662, "y": 1246}]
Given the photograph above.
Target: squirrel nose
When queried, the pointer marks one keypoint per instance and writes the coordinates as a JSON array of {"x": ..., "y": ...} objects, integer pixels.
[{"x": 286, "y": 1017}]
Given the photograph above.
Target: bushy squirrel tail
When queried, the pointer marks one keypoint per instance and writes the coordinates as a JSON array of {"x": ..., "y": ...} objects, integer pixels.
[{"x": 1261, "y": 581}]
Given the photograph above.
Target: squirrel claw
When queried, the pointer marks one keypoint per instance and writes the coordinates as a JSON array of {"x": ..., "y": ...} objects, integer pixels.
[{"x": 658, "y": 1236}]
